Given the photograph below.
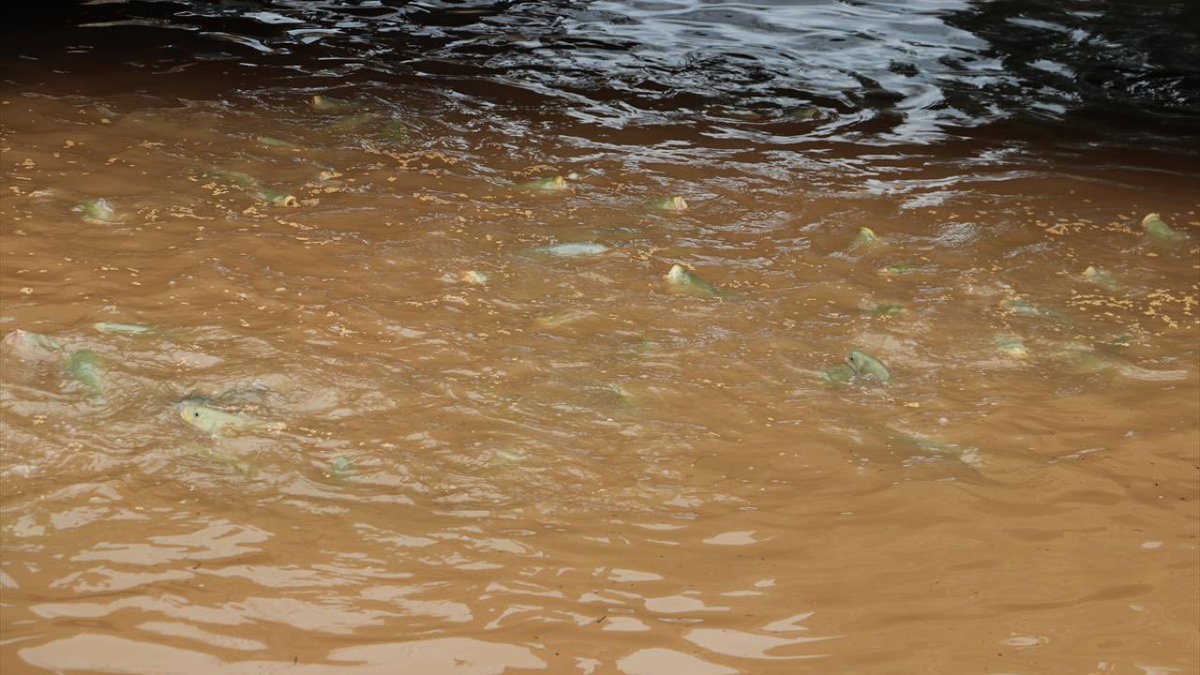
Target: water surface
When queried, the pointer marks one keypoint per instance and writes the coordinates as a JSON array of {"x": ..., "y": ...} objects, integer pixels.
[{"x": 572, "y": 466}]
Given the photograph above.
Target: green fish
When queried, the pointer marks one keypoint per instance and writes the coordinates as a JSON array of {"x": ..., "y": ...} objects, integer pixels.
[
  {"x": 473, "y": 277},
  {"x": 506, "y": 458},
  {"x": 868, "y": 367},
  {"x": 32, "y": 346},
  {"x": 1011, "y": 347},
  {"x": 1023, "y": 308},
  {"x": 1160, "y": 231},
  {"x": 562, "y": 318},
  {"x": 1101, "y": 278},
  {"x": 803, "y": 113},
  {"x": 341, "y": 467},
  {"x": 216, "y": 422},
  {"x": 272, "y": 142},
  {"x": 684, "y": 280},
  {"x": 888, "y": 310},
  {"x": 218, "y": 457},
  {"x": 395, "y": 130},
  {"x": 85, "y": 367},
  {"x": 866, "y": 239},
  {"x": 902, "y": 269},
  {"x": 123, "y": 328},
  {"x": 275, "y": 198},
  {"x": 967, "y": 455},
  {"x": 238, "y": 178},
  {"x": 570, "y": 250},
  {"x": 668, "y": 204},
  {"x": 352, "y": 122},
  {"x": 837, "y": 376},
  {"x": 327, "y": 104},
  {"x": 625, "y": 398},
  {"x": 545, "y": 185},
  {"x": 97, "y": 212}
]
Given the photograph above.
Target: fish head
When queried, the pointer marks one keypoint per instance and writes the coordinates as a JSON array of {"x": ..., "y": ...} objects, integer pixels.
[
  {"x": 196, "y": 415},
  {"x": 857, "y": 360}
]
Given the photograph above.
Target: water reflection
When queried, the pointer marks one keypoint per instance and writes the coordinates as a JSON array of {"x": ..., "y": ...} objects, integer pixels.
[{"x": 783, "y": 73}]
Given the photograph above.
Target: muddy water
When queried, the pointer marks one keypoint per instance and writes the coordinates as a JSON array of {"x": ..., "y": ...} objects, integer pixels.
[{"x": 458, "y": 453}]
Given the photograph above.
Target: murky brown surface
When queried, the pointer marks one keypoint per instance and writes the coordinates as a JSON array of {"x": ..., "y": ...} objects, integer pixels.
[{"x": 570, "y": 467}]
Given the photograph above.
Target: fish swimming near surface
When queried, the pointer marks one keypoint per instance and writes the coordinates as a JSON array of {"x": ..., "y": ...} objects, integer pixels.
[
  {"x": 1101, "y": 278},
  {"x": 123, "y": 328},
  {"x": 668, "y": 204},
  {"x": 98, "y": 212},
  {"x": 1160, "y": 231},
  {"x": 868, "y": 367},
  {"x": 575, "y": 250},
  {"x": 681, "y": 279},
  {"x": 865, "y": 239},
  {"x": 217, "y": 422},
  {"x": 554, "y": 184},
  {"x": 85, "y": 367}
]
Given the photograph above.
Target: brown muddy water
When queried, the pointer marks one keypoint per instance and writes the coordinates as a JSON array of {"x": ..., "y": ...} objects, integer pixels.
[{"x": 454, "y": 451}]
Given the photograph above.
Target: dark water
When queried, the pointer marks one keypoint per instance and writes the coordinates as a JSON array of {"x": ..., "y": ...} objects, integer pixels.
[{"x": 710, "y": 74}]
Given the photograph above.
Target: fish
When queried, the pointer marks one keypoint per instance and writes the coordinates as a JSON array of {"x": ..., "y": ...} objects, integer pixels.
[
  {"x": 1160, "y": 231},
  {"x": 473, "y": 277},
  {"x": 1101, "y": 278},
  {"x": 888, "y": 310},
  {"x": 352, "y": 122},
  {"x": 341, "y": 467},
  {"x": 868, "y": 367},
  {"x": 902, "y": 269},
  {"x": 272, "y": 142},
  {"x": 327, "y": 104},
  {"x": 681, "y": 279},
  {"x": 562, "y": 318},
  {"x": 545, "y": 184},
  {"x": 123, "y": 328},
  {"x": 97, "y": 212},
  {"x": 215, "y": 422},
  {"x": 218, "y": 457},
  {"x": 570, "y": 250},
  {"x": 85, "y": 367},
  {"x": 275, "y": 198},
  {"x": 838, "y": 375},
  {"x": 966, "y": 454},
  {"x": 395, "y": 130},
  {"x": 1012, "y": 347},
  {"x": 29, "y": 346},
  {"x": 803, "y": 113},
  {"x": 1023, "y": 308},
  {"x": 669, "y": 204},
  {"x": 237, "y": 178},
  {"x": 865, "y": 239}
]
